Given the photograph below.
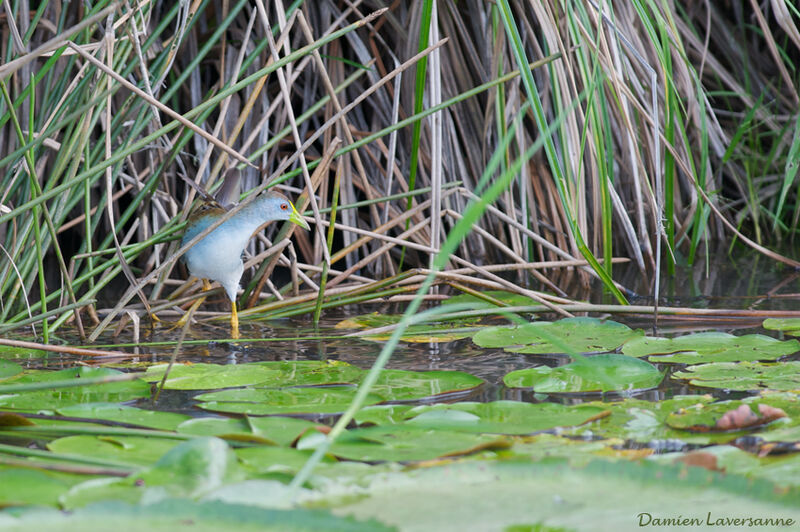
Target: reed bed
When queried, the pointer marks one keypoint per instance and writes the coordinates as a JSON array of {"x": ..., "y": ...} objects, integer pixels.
[{"x": 435, "y": 147}]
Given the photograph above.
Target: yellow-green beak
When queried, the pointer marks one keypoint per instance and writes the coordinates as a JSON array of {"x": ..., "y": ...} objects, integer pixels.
[{"x": 297, "y": 219}]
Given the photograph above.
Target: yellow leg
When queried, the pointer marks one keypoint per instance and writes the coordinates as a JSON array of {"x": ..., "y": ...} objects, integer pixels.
[{"x": 234, "y": 321}]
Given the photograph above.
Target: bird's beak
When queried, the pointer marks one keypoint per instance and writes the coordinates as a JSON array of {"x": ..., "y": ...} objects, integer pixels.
[{"x": 297, "y": 219}]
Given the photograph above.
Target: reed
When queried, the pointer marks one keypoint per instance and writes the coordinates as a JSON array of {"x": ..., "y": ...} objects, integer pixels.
[{"x": 112, "y": 114}]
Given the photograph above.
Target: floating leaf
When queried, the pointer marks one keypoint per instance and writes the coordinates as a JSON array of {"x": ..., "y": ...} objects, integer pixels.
[
  {"x": 790, "y": 326},
  {"x": 602, "y": 495},
  {"x": 176, "y": 515},
  {"x": 20, "y": 353},
  {"x": 58, "y": 398},
  {"x": 502, "y": 417},
  {"x": 440, "y": 331},
  {"x": 130, "y": 450},
  {"x": 744, "y": 375},
  {"x": 782, "y": 470},
  {"x": 24, "y": 486},
  {"x": 402, "y": 385},
  {"x": 272, "y": 430},
  {"x": 320, "y": 372},
  {"x": 382, "y": 414},
  {"x": 9, "y": 369},
  {"x": 570, "y": 335},
  {"x": 187, "y": 469},
  {"x": 266, "y": 401},
  {"x": 280, "y": 460},
  {"x": 710, "y": 347},
  {"x": 124, "y": 414},
  {"x": 403, "y": 443},
  {"x": 578, "y": 452},
  {"x": 600, "y": 373},
  {"x": 726, "y": 415},
  {"x": 212, "y": 376}
]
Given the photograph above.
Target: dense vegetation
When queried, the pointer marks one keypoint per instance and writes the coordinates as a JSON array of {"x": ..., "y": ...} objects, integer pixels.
[{"x": 652, "y": 119}]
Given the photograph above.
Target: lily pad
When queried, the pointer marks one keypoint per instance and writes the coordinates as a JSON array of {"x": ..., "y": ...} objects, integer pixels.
[
  {"x": 790, "y": 326},
  {"x": 601, "y": 495},
  {"x": 503, "y": 417},
  {"x": 600, "y": 373},
  {"x": 721, "y": 416},
  {"x": 383, "y": 414},
  {"x": 23, "y": 486},
  {"x": 576, "y": 451},
  {"x": 402, "y": 385},
  {"x": 744, "y": 375},
  {"x": 176, "y": 515},
  {"x": 264, "y": 459},
  {"x": 646, "y": 422},
  {"x": 131, "y": 450},
  {"x": 211, "y": 376},
  {"x": 20, "y": 353},
  {"x": 570, "y": 335},
  {"x": 267, "y": 401},
  {"x": 58, "y": 398},
  {"x": 782, "y": 470},
  {"x": 442, "y": 331},
  {"x": 9, "y": 369},
  {"x": 124, "y": 414},
  {"x": 403, "y": 443},
  {"x": 710, "y": 347},
  {"x": 270, "y": 430},
  {"x": 188, "y": 469}
]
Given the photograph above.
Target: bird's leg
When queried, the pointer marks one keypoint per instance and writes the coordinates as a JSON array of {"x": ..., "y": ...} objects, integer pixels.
[
  {"x": 199, "y": 301},
  {"x": 234, "y": 321}
]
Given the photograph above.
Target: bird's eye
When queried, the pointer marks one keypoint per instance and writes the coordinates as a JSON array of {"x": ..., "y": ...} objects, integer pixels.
[{"x": 284, "y": 206}]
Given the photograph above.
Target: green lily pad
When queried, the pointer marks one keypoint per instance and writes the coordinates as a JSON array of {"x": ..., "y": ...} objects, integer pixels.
[
  {"x": 782, "y": 470},
  {"x": 402, "y": 385},
  {"x": 790, "y": 326},
  {"x": 599, "y": 373},
  {"x": 9, "y": 369},
  {"x": 130, "y": 450},
  {"x": 187, "y": 469},
  {"x": 578, "y": 452},
  {"x": 646, "y": 422},
  {"x": 744, "y": 375},
  {"x": 211, "y": 376},
  {"x": 602, "y": 495},
  {"x": 382, "y": 414},
  {"x": 59, "y": 398},
  {"x": 320, "y": 372},
  {"x": 502, "y": 417},
  {"x": 711, "y": 417},
  {"x": 276, "y": 460},
  {"x": 267, "y": 401},
  {"x": 444, "y": 331},
  {"x": 570, "y": 335},
  {"x": 270, "y": 430},
  {"x": 124, "y": 414},
  {"x": 20, "y": 353},
  {"x": 24, "y": 486},
  {"x": 710, "y": 347},
  {"x": 403, "y": 444},
  {"x": 176, "y": 515}
]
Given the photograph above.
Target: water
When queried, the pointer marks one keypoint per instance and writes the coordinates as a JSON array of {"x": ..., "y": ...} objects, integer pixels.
[{"x": 746, "y": 282}]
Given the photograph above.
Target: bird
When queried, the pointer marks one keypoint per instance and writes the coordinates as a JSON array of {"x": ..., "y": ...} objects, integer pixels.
[{"x": 218, "y": 256}]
